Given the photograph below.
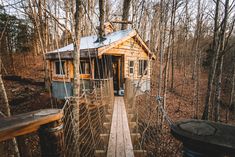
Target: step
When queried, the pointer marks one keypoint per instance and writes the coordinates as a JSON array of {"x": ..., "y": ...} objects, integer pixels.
[
  {"x": 105, "y": 138},
  {"x": 135, "y": 138},
  {"x": 109, "y": 111},
  {"x": 131, "y": 117},
  {"x": 100, "y": 153},
  {"x": 140, "y": 153},
  {"x": 130, "y": 110},
  {"x": 107, "y": 125},
  {"x": 108, "y": 118},
  {"x": 133, "y": 127}
]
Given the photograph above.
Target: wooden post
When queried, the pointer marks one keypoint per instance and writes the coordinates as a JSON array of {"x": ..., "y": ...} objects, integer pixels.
[{"x": 52, "y": 139}]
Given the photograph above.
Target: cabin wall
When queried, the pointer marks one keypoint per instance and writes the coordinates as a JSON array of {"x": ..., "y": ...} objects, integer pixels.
[
  {"x": 132, "y": 51},
  {"x": 62, "y": 85},
  {"x": 68, "y": 71}
]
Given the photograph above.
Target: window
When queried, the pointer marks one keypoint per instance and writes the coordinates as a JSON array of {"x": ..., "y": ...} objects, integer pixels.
[
  {"x": 85, "y": 67},
  {"x": 60, "y": 68},
  {"x": 131, "y": 67},
  {"x": 142, "y": 67}
]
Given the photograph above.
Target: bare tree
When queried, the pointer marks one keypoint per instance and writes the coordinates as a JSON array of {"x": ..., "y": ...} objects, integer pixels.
[
  {"x": 166, "y": 69},
  {"x": 125, "y": 13},
  {"x": 107, "y": 10},
  {"x": 214, "y": 63},
  {"x": 76, "y": 65},
  {"x": 101, "y": 20},
  {"x": 197, "y": 64},
  {"x": 231, "y": 100},
  {"x": 220, "y": 60},
  {"x": 5, "y": 109},
  {"x": 174, "y": 7}
]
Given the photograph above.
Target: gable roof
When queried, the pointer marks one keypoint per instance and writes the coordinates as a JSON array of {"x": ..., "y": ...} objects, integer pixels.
[{"x": 89, "y": 43}]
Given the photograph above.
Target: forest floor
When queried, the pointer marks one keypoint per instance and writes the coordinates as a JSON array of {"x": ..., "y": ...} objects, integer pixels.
[{"x": 26, "y": 93}]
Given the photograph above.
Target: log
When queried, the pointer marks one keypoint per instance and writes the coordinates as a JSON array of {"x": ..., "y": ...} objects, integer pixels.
[
  {"x": 23, "y": 147},
  {"x": 52, "y": 139}
]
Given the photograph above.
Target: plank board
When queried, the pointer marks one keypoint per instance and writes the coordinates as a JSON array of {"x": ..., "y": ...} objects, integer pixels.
[
  {"x": 27, "y": 123},
  {"x": 120, "y": 144}
]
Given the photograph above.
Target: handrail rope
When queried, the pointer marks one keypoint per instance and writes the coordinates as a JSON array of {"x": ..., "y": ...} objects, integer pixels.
[
  {"x": 97, "y": 123},
  {"x": 62, "y": 71},
  {"x": 159, "y": 102},
  {"x": 89, "y": 114}
]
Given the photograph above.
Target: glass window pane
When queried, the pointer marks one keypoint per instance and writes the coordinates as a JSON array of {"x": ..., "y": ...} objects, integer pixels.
[
  {"x": 60, "y": 68},
  {"x": 131, "y": 64},
  {"x": 131, "y": 70}
]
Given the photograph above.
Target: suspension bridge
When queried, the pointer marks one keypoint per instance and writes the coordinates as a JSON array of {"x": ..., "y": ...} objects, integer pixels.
[{"x": 104, "y": 125}]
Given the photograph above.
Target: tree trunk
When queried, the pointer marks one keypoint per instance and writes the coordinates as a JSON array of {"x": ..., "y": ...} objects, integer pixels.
[
  {"x": 5, "y": 109},
  {"x": 196, "y": 71},
  {"x": 218, "y": 90},
  {"x": 125, "y": 13},
  {"x": 172, "y": 45},
  {"x": 168, "y": 57},
  {"x": 214, "y": 63},
  {"x": 231, "y": 100},
  {"x": 107, "y": 10},
  {"x": 101, "y": 19},
  {"x": 76, "y": 65},
  {"x": 220, "y": 61}
]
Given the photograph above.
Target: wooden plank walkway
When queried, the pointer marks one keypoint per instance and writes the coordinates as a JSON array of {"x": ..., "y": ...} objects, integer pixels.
[{"x": 120, "y": 144}]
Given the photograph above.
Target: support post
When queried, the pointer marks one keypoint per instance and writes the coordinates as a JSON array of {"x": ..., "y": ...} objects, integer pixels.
[{"x": 52, "y": 139}]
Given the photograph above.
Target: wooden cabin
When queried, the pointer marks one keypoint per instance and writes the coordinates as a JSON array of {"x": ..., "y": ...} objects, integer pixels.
[{"x": 122, "y": 55}]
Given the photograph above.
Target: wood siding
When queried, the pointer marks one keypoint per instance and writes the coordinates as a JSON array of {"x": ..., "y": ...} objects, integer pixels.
[
  {"x": 129, "y": 49},
  {"x": 132, "y": 51}
]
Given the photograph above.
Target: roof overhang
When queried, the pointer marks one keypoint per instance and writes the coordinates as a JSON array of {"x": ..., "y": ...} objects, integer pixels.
[{"x": 85, "y": 53}]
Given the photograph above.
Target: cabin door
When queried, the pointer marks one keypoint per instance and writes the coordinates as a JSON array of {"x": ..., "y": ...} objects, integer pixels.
[
  {"x": 115, "y": 77},
  {"x": 116, "y": 67}
]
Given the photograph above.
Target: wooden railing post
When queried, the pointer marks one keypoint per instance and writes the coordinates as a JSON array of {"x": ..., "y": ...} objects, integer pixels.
[{"x": 52, "y": 139}]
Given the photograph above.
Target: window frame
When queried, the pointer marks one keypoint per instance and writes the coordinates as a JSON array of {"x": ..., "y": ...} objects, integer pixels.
[
  {"x": 81, "y": 67},
  {"x": 143, "y": 65},
  {"x": 60, "y": 63},
  {"x": 131, "y": 67}
]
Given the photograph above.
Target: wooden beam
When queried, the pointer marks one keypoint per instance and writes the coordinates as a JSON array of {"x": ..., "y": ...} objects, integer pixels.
[{"x": 27, "y": 123}]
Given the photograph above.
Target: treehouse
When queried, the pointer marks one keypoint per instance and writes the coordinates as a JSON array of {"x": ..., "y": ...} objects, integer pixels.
[{"x": 121, "y": 55}]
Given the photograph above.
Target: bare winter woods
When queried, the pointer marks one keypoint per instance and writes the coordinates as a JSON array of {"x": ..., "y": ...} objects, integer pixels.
[{"x": 193, "y": 40}]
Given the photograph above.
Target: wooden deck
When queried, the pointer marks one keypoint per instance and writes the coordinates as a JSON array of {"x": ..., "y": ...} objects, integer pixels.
[{"x": 120, "y": 144}]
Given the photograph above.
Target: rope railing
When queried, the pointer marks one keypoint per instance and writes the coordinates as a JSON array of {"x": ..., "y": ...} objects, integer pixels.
[
  {"x": 92, "y": 110},
  {"x": 81, "y": 130},
  {"x": 148, "y": 112}
]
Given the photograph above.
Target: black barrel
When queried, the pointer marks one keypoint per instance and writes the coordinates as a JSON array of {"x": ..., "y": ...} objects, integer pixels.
[{"x": 204, "y": 138}]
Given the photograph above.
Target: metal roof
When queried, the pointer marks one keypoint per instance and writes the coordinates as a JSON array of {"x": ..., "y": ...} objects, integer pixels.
[{"x": 89, "y": 42}]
